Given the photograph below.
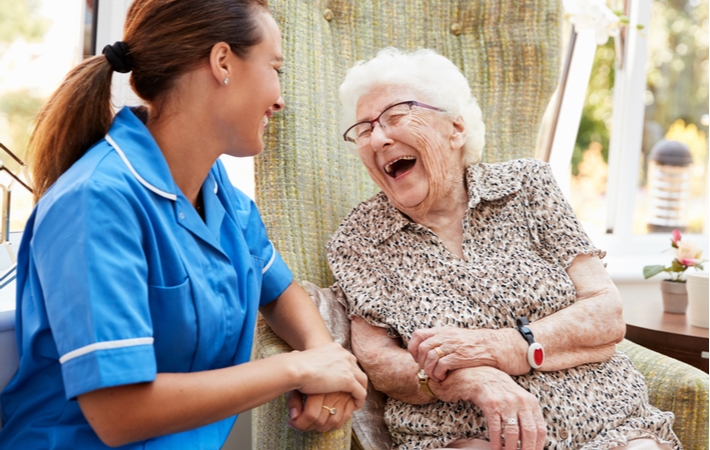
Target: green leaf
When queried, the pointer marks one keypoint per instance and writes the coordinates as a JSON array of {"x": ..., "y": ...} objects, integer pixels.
[
  {"x": 649, "y": 271},
  {"x": 676, "y": 266}
]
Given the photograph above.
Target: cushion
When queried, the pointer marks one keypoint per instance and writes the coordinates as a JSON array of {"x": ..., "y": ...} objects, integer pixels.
[{"x": 367, "y": 422}]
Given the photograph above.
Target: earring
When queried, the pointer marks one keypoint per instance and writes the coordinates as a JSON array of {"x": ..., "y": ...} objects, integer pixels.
[{"x": 226, "y": 80}]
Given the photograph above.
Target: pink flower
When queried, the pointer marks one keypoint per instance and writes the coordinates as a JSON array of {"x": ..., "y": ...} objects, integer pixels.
[
  {"x": 675, "y": 238},
  {"x": 687, "y": 253}
]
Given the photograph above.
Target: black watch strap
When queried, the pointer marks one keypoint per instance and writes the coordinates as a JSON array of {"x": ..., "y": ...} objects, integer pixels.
[{"x": 522, "y": 326}]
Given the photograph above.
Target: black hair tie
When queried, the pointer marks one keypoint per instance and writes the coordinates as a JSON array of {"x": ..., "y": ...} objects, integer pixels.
[{"x": 119, "y": 57}]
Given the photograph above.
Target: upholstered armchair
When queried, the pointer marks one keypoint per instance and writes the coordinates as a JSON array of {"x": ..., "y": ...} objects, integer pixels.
[{"x": 307, "y": 181}]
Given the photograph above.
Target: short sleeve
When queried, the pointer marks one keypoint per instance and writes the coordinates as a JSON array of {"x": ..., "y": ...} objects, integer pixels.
[
  {"x": 276, "y": 276},
  {"x": 92, "y": 271},
  {"x": 363, "y": 283},
  {"x": 557, "y": 233}
]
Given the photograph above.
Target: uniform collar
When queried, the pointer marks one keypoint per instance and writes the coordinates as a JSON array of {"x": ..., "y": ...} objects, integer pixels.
[
  {"x": 131, "y": 139},
  {"x": 485, "y": 182}
]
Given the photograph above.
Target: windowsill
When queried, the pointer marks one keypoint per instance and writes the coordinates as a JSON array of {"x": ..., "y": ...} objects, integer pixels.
[{"x": 626, "y": 256}]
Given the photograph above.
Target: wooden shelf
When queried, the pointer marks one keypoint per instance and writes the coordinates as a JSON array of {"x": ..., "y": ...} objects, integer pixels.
[{"x": 669, "y": 334}]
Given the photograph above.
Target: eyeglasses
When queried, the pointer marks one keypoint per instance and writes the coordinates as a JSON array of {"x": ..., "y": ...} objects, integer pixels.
[{"x": 397, "y": 115}]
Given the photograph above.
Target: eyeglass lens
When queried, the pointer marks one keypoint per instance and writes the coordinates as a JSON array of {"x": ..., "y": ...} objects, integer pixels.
[{"x": 395, "y": 116}]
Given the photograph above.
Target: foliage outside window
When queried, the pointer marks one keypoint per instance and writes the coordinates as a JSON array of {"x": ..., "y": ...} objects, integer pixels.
[
  {"x": 40, "y": 41},
  {"x": 676, "y": 109}
]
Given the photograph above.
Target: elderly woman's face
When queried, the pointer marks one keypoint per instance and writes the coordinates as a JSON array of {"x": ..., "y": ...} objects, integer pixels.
[{"x": 406, "y": 161}]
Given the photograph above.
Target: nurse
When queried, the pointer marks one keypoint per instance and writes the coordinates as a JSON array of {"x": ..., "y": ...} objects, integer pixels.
[{"x": 142, "y": 269}]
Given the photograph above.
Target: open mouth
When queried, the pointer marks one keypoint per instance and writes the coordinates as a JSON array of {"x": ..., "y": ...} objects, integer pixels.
[{"x": 400, "y": 166}]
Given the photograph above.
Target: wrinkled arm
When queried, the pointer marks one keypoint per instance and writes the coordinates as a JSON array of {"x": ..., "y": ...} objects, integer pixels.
[
  {"x": 586, "y": 331},
  {"x": 389, "y": 367}
]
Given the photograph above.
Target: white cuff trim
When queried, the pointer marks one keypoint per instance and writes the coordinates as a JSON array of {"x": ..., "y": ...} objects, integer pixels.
[
  {"x": 271, "y": 261},
  {"x": 105, "y": 346}
]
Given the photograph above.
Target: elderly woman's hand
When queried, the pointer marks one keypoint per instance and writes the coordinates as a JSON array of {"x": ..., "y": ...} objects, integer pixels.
[
  {"x": 442, "y": 349},
  {"x": 511, "y": 411}
]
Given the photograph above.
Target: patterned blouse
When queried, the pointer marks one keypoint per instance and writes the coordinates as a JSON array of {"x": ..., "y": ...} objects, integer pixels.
[{"x": 519, "y": 236}]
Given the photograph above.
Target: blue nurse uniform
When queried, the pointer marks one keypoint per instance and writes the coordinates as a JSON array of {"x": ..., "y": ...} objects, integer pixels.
[{"x": 119, "y": 278}]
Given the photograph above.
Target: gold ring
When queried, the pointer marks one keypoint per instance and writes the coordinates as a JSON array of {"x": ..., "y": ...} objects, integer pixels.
[
  {"x": 439, "y": 352},
  {"x": 332, "y": 411}
]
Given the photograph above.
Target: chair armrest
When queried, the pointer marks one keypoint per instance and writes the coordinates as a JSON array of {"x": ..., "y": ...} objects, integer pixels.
[
  {"x": 675, "y": 386},
  {"x": 269, "y": 430}
]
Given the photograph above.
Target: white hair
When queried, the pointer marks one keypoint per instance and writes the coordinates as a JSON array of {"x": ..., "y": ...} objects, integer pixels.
[{"x": 428, "y": 74}]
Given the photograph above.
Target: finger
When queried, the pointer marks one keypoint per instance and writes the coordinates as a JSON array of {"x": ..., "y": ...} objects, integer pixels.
[
  {"x": 310, "y": 417},
  {"x": 418, "y": 346},
  {"x": 442, "y": 366},
  {"x": 414, "y": 342},
  {"x": 343, "y": 412},
  {"x": 541, "y": 425},
  {"x": 511, "y": 432},
  {"x": 361, "y": 378},
  {"x": 528, "y": 431},
  {"x": 294, "y": 404},
  {"x": 358, "y": 388},
  {"x": 432, "y": 360},
  {"x": 495, "y": 431}
]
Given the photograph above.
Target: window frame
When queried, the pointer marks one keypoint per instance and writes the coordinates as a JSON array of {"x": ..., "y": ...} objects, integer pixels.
[{"x": 627, "y": 253}]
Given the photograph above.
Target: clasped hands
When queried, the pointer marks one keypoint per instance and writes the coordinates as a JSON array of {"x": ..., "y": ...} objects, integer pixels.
[
  {"x": 476, "y": 365},
  {"x": 335, "y": 386}
]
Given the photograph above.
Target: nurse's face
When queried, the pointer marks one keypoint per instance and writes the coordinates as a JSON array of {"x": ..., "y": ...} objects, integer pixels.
[{"x": 254, "y": 90}]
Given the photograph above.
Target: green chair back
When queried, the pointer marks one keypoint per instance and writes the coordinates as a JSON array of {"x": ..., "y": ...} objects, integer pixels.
[{"x": 307, "y": 180}]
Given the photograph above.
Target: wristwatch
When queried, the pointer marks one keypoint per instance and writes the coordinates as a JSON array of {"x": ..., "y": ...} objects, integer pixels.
[
  {"x": 424, "y": 383},
  {"x": 536, "y": 354}
]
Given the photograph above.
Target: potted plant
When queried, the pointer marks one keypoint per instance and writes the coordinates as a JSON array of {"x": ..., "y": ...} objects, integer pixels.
[{"x": 675, "y": 294}]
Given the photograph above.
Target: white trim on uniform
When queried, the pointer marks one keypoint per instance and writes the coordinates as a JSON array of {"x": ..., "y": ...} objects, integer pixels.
[
  {"x": 271, "y": 261},
  {"x": 105, "y": 346},
  {"x": 160, "y": 192}
]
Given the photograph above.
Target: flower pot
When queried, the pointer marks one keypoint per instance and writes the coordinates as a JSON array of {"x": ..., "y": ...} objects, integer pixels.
[
  {"x": 675, "y": 296},
  {"x": 698, "y": 298}
]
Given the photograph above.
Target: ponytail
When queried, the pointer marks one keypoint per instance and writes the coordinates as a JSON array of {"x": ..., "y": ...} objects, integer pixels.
[
  {"x": 77, "y": 115},
  {"x": 163, "y": 39}
]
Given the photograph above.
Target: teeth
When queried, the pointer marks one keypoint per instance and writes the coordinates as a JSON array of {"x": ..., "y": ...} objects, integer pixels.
[
  {"x": 388, "y": 167},
  {"x": 265, "y": 120}
]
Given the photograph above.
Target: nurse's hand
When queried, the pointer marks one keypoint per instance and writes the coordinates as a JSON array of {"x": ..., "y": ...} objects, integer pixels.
[
  {"x": 319, "y": 412},
  {"x": 328, "y": 369}
]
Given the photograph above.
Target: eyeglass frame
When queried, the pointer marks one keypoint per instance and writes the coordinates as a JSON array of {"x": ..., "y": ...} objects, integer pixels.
[{"x": 377, "y": 119}]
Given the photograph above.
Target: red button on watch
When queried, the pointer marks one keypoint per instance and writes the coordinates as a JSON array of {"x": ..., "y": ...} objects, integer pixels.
[{"x": 536, "y": 353}]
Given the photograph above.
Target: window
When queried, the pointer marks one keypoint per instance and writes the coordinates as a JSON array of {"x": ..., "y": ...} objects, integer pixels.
[
  {"x": 643, "y": 86},
  {"x": 40, "y": 41}
]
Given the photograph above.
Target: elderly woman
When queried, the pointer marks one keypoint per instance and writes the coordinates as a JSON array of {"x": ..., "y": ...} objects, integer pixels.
[{"x": 478, "y": 304}]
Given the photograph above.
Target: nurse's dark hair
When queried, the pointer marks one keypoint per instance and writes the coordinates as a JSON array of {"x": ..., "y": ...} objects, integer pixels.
[{"x": 165, "y": 39}]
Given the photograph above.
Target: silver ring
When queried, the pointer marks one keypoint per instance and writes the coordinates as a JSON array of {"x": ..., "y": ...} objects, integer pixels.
[
  {"x": 332, "y": 411},
  {"x": 511, "y": 421}
]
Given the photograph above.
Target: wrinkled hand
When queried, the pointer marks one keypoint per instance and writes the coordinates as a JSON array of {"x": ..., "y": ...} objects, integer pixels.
[
  {"x": 315, "y": 412},
  {"x": 460, "y": 348},
  {"x": 501, "y": 400},
  {"x": 330, "y": 369}
]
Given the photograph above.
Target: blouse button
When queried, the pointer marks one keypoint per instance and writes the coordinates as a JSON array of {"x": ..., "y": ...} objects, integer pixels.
[
  {"x": 181, "y": 215},
  {"x": 328, "y": 14},
  {"x": 456, "y": 29},
  {"x": 564, "y": 434},
  {"x": 545, "y": 388}
]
